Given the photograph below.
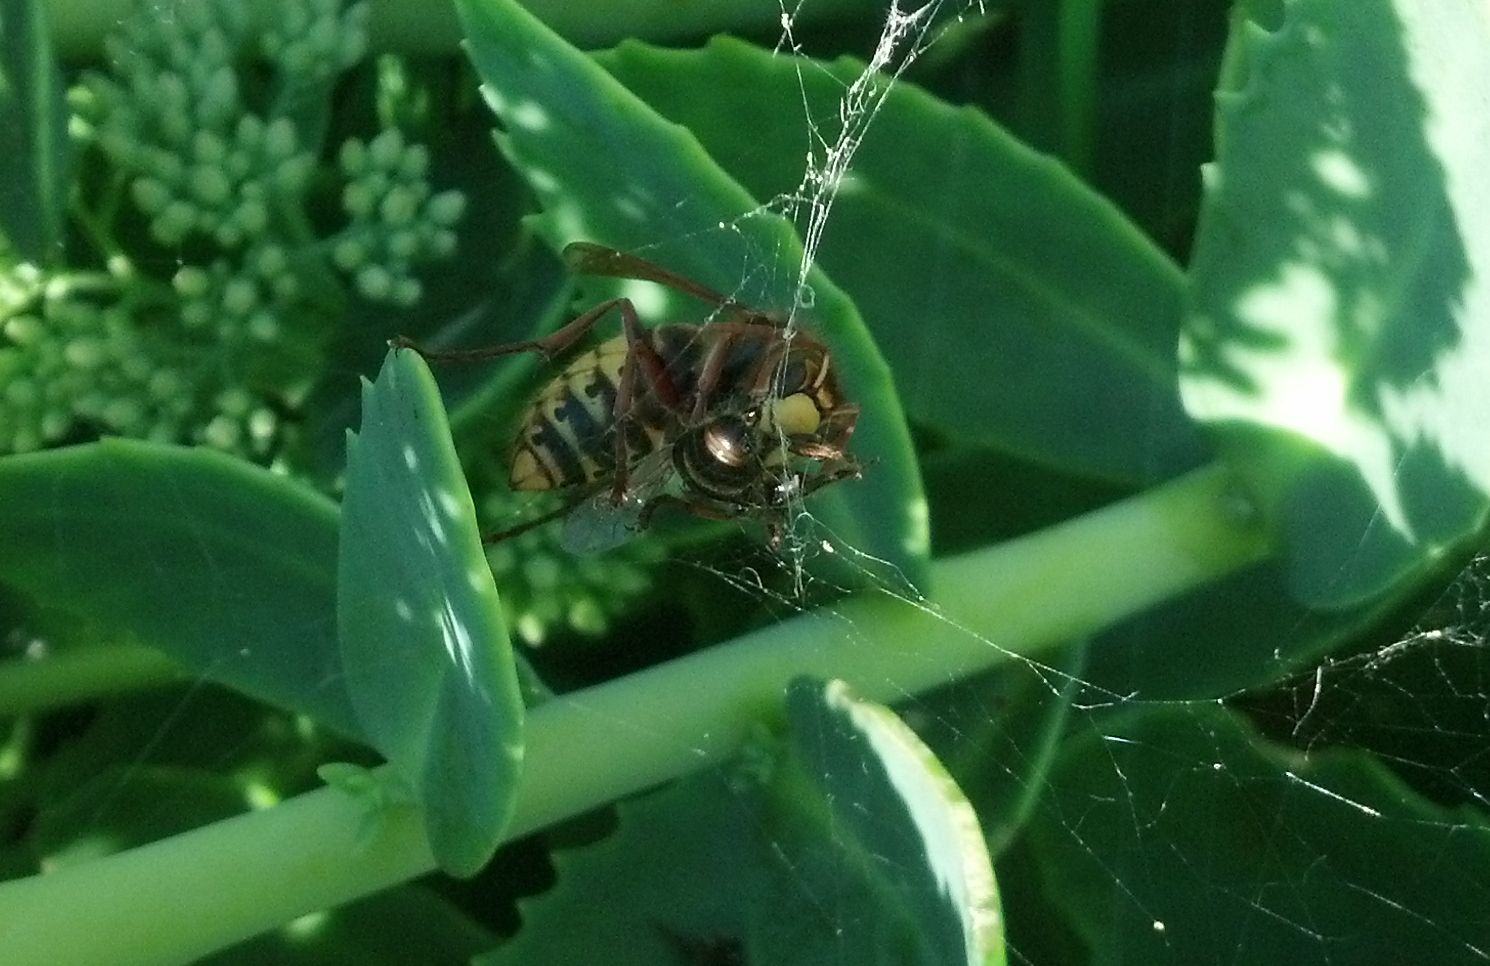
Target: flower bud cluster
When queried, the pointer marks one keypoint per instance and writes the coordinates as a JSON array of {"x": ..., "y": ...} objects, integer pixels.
[
  {"x": 211, "y": 113},
  {"x": 546, "y": 589},
  {"x": 396, "y": 219},
  {"x": 69, "y": 365},
  {"x": 77, "y": 365},
  {"x": 238, "y": 301},
  {"x": 172, "y": 114},
  {"x": 312, "y": 41}
]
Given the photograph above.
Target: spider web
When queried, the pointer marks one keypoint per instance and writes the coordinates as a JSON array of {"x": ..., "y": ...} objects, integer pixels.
[
  {"x": 1419, "y": 703},
  {"x": 906, "y": 35}
]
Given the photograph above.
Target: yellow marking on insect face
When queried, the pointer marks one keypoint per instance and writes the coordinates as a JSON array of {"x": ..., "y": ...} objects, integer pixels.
[{"x": 795, "y": 415}]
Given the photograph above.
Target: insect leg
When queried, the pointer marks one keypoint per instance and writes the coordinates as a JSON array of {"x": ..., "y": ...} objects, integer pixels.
[
  {"x": 550, "y": 345},
  {"x": 588, "y": 258},
  {"x": 704, "y": 510},
  {"x": 846, "y": 468},
  {"x": 642, "y": 362},
  {"x": 709, "y": 373}
]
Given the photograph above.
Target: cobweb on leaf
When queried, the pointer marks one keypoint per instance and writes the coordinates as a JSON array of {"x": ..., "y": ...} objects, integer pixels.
[{"x": 1418, "y": 705}]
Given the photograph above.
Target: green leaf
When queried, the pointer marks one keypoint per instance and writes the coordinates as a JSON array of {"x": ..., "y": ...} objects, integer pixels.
[
  {"x": 408, "y": 924},
  {"x": 1176, "y": 835},
  {"x": 429, "y": 667},
  {"x": 609, "y": 170},
  {"x": 857, "y": 810},
  {"x": 227, "y": 567},
  {"x": 698, "y": 842},
  {"x": 1017, "y": 308},
  {"x": 998, "y": 733},
  {"x": 35, "y": 154},
  {"x": 889, "y": 831},
  {"x": 1339, "y": 328}
]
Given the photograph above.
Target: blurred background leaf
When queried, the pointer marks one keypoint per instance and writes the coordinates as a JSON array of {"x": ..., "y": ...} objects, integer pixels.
[{"x": 36, "y": 157}]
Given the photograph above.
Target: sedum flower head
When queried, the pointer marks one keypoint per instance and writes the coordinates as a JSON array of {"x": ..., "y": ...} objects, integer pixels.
[
  {"x": 396, "y": 219},
  {"x": 212, "y": 116},
  {"x": 545, "y": 589},
  {"x": 72, "y": 366},
  {"x": 173, "y": 115}
]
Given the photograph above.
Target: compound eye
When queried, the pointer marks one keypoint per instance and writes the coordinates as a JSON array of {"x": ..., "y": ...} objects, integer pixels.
[
  {"x": 728, "y": 442},
  {"x": 793, "y": 375}
]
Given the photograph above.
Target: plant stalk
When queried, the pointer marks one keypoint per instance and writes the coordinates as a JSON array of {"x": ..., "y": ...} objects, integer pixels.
[
  {"x": 420, "y": 27},
  {"x": 178, "y": 899}
]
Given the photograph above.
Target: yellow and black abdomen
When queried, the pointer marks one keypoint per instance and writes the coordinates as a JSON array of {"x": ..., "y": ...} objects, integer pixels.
[{"x": 568, "y": 436}]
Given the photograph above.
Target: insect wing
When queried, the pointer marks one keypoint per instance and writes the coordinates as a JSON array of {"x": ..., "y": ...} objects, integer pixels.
[
  {"x": 599, "y": 523},
  {"x": 588, "y": 258}
]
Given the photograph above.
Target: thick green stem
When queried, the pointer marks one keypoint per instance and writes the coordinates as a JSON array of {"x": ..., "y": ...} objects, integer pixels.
[
  {"x": 178, "y": 899},
  {"x": 419, "y": 26},
  {"x": 181, "y": 898},
  {"x": 79, "y": 675},
  {"x": 1013, "y": 601}
]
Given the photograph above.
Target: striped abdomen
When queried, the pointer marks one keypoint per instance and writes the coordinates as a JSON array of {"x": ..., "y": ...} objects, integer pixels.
[{"x": 568, "y": 435}]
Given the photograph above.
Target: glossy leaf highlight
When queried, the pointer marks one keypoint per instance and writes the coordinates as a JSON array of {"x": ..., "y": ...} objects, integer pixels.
[
  {"x": 429, "y": 667},
  {"x": 1339, "y": 327}
]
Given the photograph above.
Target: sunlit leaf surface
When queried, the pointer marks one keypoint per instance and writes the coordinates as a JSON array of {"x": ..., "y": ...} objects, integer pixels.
[
  {"x": 1339, "y": 333},
  {"x": 429, "y": 667}
]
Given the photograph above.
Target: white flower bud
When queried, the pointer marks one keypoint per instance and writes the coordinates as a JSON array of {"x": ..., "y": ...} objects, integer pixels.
[
  {"x": 150, "y": 195},
  {"x": 348, "y": 254},
  {"x": 406, "y": 292},
  {"x": 446, "y": 208},
  {"x": 374, "y": 282},
  {"x": 352, "y": 157},
  {"x": 386, "y": 149}
]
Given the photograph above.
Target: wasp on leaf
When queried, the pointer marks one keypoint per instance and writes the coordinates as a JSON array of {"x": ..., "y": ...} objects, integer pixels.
[{"x": 730, "y": 418}]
